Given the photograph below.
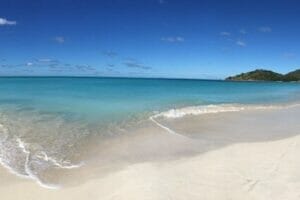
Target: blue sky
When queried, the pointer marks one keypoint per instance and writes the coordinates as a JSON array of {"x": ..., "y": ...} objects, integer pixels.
[{"x": 148, "y": 38}]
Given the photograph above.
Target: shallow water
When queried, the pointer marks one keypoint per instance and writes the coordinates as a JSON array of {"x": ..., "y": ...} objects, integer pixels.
[{"x": 46, "y": 122}]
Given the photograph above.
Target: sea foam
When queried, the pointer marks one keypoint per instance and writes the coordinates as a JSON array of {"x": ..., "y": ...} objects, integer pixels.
[
  {"x": 212, "y": 109},
  {"x": 16, "y": 156},
  {"x": 208, "y": 109}
]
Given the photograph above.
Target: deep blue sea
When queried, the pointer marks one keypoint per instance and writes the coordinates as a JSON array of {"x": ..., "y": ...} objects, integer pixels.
[{"x": 44, "y": 120}]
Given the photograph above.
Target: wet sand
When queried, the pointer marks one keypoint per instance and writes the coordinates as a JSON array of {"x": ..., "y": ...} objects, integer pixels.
[{"x": 240, "y": 155}]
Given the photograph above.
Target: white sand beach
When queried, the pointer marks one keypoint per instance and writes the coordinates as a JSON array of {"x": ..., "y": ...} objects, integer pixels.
[
  {"x": 249, "y": 155},
  {"x": 149, "y": 100}
]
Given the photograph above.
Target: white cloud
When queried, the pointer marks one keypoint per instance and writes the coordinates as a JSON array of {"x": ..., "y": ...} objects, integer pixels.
[
  {"x": 161, "y": 1},
  {"x": 44, "y": 60},
  {"x": 243, "y": 31},
  {"x": 224, "y": 33},
  {"x": 241, "y": 43},
  {"x": 29, "y": 64},
  {"x": 173, "y": 39},
  {"x": 265, "y": 29},
  {"x": 4, "y": 22},
  {"x": 59, "y": 39},
  {"x": 133, "y": 63}
]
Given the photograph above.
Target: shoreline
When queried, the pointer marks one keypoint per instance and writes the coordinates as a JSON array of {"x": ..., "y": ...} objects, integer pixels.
[{"x": 237, "y": 155}]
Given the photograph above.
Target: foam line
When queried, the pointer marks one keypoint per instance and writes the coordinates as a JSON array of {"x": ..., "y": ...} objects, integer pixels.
[
  {"x": 31, "y": 175},
  {"x": 34, "y": 177},
  {"x": 56, "y": 163},
  {"x": 214, "y": 109},
  {"x": 165, "y": 128},
  {"x": 12, "y": 171},
  {"x": 209, "y": 109}
]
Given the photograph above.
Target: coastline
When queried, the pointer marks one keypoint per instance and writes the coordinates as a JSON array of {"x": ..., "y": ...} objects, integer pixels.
[{"x": 249, "y": 154}]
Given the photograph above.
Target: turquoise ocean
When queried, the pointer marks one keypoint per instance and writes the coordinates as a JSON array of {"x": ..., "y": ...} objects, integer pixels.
[{"x": 44, "y": 121}]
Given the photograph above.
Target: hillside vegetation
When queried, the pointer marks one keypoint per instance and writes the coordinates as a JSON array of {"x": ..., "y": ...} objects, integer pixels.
[{"x": 266, "y": 75}]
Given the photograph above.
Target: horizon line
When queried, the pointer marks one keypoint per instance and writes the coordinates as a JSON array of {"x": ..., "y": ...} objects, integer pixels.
[{"x": 125, "y": 77}]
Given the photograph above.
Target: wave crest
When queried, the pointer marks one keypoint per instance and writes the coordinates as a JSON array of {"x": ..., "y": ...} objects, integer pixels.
[{"x": 211, "y": 109}]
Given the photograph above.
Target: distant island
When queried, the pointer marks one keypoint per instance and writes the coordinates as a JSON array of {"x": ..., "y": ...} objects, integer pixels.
[{"x": 266, "y": 75}]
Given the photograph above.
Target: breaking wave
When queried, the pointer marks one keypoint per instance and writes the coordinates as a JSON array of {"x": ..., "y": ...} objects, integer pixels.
[
  {"x": 207, "y": 109},
  {"x": 213, "y": 109}
]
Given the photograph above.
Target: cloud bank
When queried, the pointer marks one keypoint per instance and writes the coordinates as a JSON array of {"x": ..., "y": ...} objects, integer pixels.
[
  {"x": 131, "y": 63},
  {"x": 173, "y": 39},
  {"x": 59, "y": 39},
  {"x": 5, "y": 22},
  {"x": 224, "y": 33},
  {"x": 241, "y": 43}
]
